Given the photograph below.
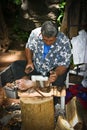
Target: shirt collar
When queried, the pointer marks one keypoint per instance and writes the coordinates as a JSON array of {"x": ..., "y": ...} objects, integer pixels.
[{"x": 40, "y": 36}]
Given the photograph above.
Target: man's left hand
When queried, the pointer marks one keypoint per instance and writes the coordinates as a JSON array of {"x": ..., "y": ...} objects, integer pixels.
[{"x": 53, "y": 76}]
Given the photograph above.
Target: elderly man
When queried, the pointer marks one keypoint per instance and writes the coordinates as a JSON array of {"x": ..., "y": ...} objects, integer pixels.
[{"x": 48, "y": 53}]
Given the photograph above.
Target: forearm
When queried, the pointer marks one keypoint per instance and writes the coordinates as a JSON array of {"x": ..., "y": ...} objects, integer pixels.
[
  {"x": 60, "y": 70},
  {"x": 29, "y": 55}
]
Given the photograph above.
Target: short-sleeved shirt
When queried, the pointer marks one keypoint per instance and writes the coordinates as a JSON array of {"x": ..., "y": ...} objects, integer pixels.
[{"x": 58, "y": 55}]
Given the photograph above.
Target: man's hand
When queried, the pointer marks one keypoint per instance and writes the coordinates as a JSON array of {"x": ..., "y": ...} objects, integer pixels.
[
  {"x": 57, "y": 72},
  {"x": 53, "y": 76},
  {"x": 29, "y": 68}
]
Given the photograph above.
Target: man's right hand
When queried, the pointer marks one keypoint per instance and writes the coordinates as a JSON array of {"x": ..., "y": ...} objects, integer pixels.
[{"x": 29, "y": 68}]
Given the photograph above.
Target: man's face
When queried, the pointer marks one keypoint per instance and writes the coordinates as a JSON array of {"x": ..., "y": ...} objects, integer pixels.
[{"x": 49, "y": 40}]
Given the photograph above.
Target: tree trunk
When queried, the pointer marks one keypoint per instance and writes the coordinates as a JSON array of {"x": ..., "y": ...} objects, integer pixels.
[
  {"x": 75, "y": 17},
  {"x": 4, "y": 39}
]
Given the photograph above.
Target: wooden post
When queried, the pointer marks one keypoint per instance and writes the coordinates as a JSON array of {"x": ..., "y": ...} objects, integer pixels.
[
  {"x": 72, "y": 115},
  {"x": 37, "y": 113},
  {"x": 63, "y": 124}
]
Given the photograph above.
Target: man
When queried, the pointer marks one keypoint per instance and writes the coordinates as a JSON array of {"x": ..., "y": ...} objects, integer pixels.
[
  {"x": 48, "y": 53},
  {"x": 47, "y": 50}
]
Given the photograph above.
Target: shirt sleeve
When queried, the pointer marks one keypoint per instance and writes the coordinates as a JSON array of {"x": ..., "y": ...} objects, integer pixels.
[
  {"x": 31, "y": 41},
  {"x": 33, "y": 38},
  {"x": 65, "y": 52}
]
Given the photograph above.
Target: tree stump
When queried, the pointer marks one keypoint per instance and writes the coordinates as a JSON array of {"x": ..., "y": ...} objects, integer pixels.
[{"x": 37, "y": 113}]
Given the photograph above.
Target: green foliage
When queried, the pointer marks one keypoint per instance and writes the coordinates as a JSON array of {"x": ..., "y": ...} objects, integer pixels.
[
  {"x": 61, "y": 12},
  {"x": 21, "y": 35},
  {"x": 17, "y": 2}
]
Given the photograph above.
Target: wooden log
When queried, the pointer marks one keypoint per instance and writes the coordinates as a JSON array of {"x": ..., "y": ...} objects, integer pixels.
[
  {"x": 63, "y": 124},
  {"x": 72, "y": 115},
  {"x": 37, "y": 113}
]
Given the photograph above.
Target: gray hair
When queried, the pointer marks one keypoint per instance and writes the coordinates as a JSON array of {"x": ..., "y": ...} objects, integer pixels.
[{"x": 49, "y": 29}]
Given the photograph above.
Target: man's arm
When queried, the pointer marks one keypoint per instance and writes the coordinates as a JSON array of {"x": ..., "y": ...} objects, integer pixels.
[
  {"x": 29, "y": 56},
  {"x": 60, "y": 70},
  {"x": 57, "y": 72}
]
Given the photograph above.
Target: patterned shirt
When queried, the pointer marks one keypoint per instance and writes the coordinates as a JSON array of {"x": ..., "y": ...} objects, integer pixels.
[{"x": 58, "y": 55}]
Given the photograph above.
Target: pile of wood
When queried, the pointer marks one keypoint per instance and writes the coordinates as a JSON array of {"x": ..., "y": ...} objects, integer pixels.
[{"x": 72, "y": 121}]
